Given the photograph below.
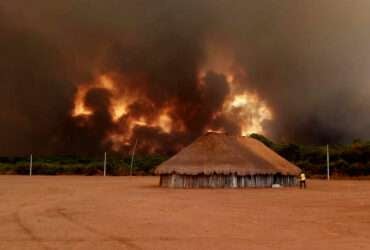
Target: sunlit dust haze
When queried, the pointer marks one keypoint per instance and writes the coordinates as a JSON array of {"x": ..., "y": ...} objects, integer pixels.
[{"x": 84, "y": 77}]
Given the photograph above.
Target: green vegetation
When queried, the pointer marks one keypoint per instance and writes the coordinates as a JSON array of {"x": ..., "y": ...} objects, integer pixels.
[
  {"x": 71, "y": 165},
  {"x": 345, "y": 160}
]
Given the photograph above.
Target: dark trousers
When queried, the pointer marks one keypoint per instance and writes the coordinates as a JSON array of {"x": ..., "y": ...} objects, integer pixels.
[{"x": 302, "y": 184}]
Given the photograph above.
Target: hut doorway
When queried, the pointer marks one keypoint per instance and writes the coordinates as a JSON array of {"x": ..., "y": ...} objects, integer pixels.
[{"x": 277, "y": 179}]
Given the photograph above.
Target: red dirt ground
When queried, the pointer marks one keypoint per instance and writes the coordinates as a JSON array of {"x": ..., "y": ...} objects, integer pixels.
[{"x": 71, "y": 212}]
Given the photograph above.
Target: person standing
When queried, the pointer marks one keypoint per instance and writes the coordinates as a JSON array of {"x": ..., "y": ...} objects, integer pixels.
[{"x": 302, "y": 180}]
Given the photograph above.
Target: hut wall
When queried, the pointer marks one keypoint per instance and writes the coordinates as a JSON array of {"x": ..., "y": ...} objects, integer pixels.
[{"x": 226, "y": 181}]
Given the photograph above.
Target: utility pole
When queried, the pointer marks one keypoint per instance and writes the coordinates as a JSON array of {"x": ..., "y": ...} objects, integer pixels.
[
  {"x": 105, "y": 163},
  {"x": 327, "y": 162},
  {"x": 132, "y": 157},
  {"x": 31, "y": 165}
]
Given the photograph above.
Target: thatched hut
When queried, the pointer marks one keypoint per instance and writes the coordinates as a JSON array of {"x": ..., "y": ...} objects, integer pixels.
[{"x": 219, "y": 161}]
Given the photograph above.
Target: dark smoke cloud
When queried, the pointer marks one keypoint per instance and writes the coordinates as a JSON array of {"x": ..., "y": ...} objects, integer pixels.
[
  {"x": 34, "y": 91},
  {"x": 308, "y": 60}
]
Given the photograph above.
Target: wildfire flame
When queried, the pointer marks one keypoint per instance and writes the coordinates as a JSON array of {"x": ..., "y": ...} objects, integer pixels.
[
  {"x": 119, "y": 108},
  {"x": 80, "y": 108},
  {"x": 251, "y": 110},
  {"x": 79, "y": 103},
  {"x": 241, "y": 107}
]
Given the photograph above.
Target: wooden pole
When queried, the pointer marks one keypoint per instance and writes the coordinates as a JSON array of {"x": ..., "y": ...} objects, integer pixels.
[
  {"x": 327, "y": 162},
  {"x": 31, "y": 165},
  {"x": 105, "y": 163},
  {"x": 132, "y": 157}
]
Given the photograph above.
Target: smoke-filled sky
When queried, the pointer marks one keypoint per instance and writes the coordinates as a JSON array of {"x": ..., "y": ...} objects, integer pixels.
[{"x": 85, "y": 76}]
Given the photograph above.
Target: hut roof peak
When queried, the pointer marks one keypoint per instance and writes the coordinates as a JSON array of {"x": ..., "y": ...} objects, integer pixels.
[{"x": 221, "y": 153}]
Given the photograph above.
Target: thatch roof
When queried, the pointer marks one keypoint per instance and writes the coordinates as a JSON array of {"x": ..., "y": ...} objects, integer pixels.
[{"x": 224, "y": 154}]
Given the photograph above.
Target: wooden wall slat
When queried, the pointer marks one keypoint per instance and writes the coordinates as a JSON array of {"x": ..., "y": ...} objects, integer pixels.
[{"x": 225, "y": 181}]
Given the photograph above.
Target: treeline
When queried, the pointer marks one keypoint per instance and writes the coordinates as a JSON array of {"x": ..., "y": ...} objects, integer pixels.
[
  {"x": 77, "y": 165},
  {"x": 345, "y": 160}
]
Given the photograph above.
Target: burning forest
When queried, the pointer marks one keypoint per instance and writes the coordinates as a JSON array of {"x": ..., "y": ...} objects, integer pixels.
[
  {"x": 134, "y": 114},
  {"x": 80, "y": 77}
]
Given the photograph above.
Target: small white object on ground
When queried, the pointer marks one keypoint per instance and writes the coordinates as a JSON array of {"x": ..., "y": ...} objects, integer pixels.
[{"x": 276, "y": 186}]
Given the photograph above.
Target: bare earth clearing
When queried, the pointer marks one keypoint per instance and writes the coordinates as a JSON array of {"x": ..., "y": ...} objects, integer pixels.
[{"x": 71, "y": 212}]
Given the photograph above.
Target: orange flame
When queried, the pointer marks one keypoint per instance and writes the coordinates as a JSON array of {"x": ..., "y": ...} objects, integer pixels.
[
  {"x": 79, "y": 104},
  {"x": 80, "y": 108},
  {"x": 243, "y": 107},
  {"x": 119, "y": 108},
  {"x": 246, "y": 109},
  {"x": 250, "y": 111}
]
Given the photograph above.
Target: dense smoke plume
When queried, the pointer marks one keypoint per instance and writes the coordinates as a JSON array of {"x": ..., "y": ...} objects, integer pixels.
[{"x": 80, "y": 77}]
